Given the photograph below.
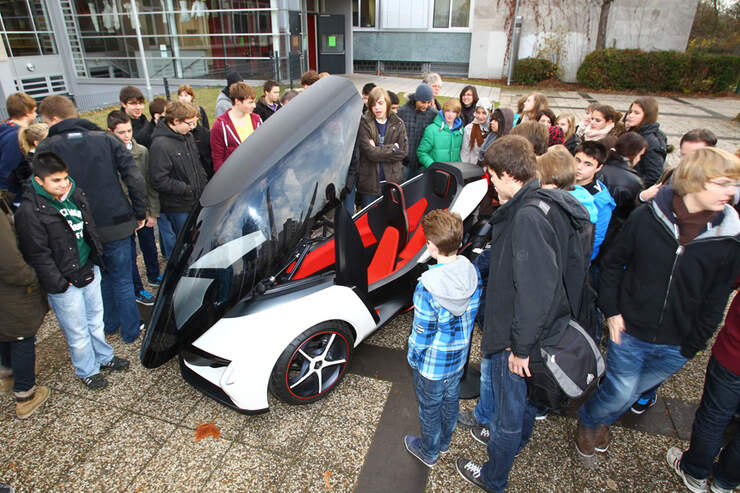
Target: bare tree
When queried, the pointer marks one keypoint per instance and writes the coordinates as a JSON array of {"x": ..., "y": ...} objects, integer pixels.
[{"x": 603, "y": 18}]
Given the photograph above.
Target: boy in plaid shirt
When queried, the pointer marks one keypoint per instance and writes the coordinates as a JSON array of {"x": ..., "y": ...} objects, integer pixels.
[{"x": 445, "y": 304}]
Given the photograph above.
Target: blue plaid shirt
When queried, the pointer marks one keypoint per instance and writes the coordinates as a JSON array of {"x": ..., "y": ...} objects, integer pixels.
[{"x": 439, "y": 341}]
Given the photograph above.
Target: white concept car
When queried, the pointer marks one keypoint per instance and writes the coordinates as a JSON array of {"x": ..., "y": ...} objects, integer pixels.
[{"x": 262, "y": 292}]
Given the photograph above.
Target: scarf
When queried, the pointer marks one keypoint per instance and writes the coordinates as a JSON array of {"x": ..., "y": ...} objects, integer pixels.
[
  {"x": 591, "y": 134},
  {"x": 477, "y": 134}
]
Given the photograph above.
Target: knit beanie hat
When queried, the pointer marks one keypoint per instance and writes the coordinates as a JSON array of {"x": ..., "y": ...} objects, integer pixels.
[{"x": 424, "y": 93}]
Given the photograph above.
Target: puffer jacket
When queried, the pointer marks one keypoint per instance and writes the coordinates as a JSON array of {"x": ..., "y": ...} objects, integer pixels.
[
  {"x": 371, "y": 157},
  {"x": 650, "y": 166},
  {"x": 174, "y": 169},
  {"x": 49, "y": 244},
  {"x": 440, "y": 143},
  {"x": 22, "y": 302}
]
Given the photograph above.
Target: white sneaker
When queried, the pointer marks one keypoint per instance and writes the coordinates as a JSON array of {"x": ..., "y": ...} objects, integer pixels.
[{"x": 673, "y": 457}]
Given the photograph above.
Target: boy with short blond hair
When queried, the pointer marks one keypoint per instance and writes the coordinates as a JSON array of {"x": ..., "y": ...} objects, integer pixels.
[{"x": 445, "y": 304}]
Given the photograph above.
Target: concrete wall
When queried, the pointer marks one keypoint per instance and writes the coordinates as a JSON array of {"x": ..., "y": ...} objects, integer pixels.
[
  {"x": 644, "y": 24},
  {"x": 402, "y": 46}
]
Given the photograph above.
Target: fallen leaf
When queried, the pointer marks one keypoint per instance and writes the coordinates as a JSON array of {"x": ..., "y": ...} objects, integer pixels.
[
  {"x": 611, "y": 484},
  {"x": 326, "y": 480},
  {"x": 207, "y": 430}
]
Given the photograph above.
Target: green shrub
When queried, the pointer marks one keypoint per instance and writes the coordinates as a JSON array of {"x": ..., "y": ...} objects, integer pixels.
[
  {"x": 659, "y": 71},
  {"x": 530, "y": 71}
]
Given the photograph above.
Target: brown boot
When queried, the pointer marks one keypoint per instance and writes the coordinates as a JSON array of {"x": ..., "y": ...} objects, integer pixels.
[
  {"x": 25, "y": 406},
  {"x": 585, "y": 440},
  {"x": 6, "y": 384},
  {"x": 603, "y": 437}
]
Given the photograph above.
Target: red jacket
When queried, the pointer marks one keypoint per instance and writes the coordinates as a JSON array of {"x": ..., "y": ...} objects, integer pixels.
[
  {"x": 726, "y": 349},
  {"x": 225, "y": 138}
]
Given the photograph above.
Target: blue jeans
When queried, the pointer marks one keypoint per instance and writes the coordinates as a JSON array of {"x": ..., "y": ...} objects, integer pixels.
[
  {"x": 633, "y": 367},
  {"x": 366, "y": 199},
  {"x": 510, "y": 426},
  {"x": 135, "y": 277},
  {"x": 80, "y": 315},
  {"x": 349, "y": 201},
  {"x": 149, "y": 250},
  {"x": 20, "y": 356},
  {"x": 438, "y": 408},
  {"x": 484, "y": 409},
  {"x": 119, "y": 300},
  {"x": 408, "y": 173},
  {"x": 720, "y": 401},
  {"x": 170, "y": 225}
]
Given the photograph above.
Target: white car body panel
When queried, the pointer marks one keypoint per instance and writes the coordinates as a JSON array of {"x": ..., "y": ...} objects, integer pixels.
[{"x": 253, "y": 343}]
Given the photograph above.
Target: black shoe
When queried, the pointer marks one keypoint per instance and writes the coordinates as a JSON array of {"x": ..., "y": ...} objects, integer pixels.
[
  {"x": 156, "y": 281},
  {"x": 95, "y": 382},
  {"x": 541, "y": 414},
  {"x": 470, "y": 472},
  {"x": 639, "y": 408},
  {"x": 481, "y": 434},
  {"x": 467, "y": 418},
  {"x": 116, "y": 364}
]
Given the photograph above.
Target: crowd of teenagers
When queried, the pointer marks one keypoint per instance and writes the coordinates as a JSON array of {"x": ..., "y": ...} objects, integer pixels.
[{"x": 586, "y": 221}]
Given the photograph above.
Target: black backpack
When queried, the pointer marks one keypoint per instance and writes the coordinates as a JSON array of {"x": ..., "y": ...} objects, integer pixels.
[{"x": 572, "y": 366}]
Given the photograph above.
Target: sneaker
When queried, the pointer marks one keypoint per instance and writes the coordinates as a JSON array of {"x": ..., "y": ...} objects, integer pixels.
[
  {"x": 413, "y": 445},
  {"x": 95, "y": 382},
  {"x": 144, "y": 297},
  {"x": 481, "y": 434},
  {"x": 116, "y": 364},
  {"x": 640, "y": 407},
  {"x": 156, "y": 281},
  {"x": 673, "y": 457},
  {"x": 468, "y": 419},
  {"x": 6, "y": 384},
  {"x": 541, "y": 414},
  {"x": 715, "y": 488},
  {"x": 26, "y": 406},
  {"x": 470, "y": 472},
  {"x": 585, "y": 440}
]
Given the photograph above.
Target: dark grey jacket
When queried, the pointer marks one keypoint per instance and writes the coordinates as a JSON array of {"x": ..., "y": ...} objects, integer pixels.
[
  {"x": 174, "y": 169},
  {"x": 95, "y": 160},
  {"x": 416, "y": 121}
]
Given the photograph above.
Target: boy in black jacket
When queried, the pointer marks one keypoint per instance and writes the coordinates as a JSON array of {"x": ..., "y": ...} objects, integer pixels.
[
  {"x": 664, "y": 286},
  {"x": 175, "y": 170},
  {"x": 58, "y": 239}
]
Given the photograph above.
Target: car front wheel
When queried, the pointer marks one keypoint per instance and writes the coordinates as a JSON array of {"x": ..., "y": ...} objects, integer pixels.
[{"x": 313, "y": 364}]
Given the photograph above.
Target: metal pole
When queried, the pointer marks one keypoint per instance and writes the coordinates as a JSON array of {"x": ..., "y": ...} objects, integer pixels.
[
  {"x": 511, "y": 53},
  {"x": 140, "y": 40}
]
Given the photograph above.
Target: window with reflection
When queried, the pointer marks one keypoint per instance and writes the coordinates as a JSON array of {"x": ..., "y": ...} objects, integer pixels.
[
  {"x": 25, "y": 28},
  {"x": 182, "y": 38},
  {"x": 451, "y": 13},
  {"x": 363, "y": 13}
]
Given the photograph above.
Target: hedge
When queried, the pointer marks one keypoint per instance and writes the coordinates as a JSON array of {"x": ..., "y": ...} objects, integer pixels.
[
  {"x": 659, "y": 71},
  {"x": 530, "y": 71}
]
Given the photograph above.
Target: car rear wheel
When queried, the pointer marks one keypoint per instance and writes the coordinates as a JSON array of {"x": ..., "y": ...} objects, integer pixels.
[{"x": 313, "y": 364}]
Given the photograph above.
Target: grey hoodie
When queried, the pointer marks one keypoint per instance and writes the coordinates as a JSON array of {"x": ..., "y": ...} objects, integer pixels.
[{"x": 452, "y": 285}]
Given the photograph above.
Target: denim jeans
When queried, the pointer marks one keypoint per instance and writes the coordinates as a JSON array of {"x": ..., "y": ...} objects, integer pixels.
[
  {"x": 170, "y": 224},
  {"x": 484, "y": 409},
  {"x": 510, "y": 426},
  {"x": 349, "y": 201},
  {"x": 80, "y": 315},
  {"x": 720, "y": 401},
  {"x": 366, "y": 199},
  {"x": 135, "y": 277},
  {"x": 20, "y": 356},
  {"x": 632, "y": 367},
  {"x": 438, "y": 408},
  {"x": 119, "y": 299},
  {"x": 408, "y": 173},
  {"x": 148, "y": 247}
]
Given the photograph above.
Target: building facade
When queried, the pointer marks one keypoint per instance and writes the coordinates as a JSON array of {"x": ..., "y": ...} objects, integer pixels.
[{"x": 90, "y": 48}]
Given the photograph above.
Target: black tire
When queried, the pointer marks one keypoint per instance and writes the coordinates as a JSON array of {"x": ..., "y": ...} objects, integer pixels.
[{"x": 301, "y": 374}]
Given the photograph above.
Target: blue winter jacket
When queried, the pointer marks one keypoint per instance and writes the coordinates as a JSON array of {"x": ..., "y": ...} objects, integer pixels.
[
  {"x": 10, "y": 153},
  {"x": 605, "y": 205}
]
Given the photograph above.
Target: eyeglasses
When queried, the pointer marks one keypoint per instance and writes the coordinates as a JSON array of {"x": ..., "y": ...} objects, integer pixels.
[
  {"x": 725, "y": 184},
  {"x": 192, "y": 124}
]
